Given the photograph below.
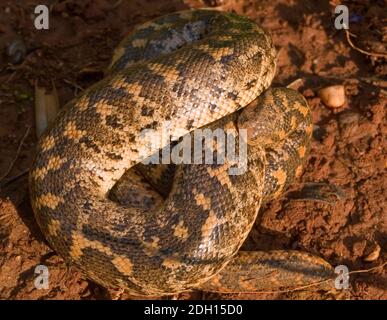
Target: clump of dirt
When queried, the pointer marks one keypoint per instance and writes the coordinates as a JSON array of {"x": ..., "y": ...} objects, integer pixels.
[{"x": 348, "y": 153}]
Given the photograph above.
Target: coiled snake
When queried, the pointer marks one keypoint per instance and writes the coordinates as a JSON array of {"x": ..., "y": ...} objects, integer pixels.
[{"x": 189, "y": 69}]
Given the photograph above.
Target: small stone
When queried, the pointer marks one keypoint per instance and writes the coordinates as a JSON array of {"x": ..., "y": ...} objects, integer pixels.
[
  {"x": 16, "y": 51},
  {"x": 373, "y": 253},
  {"x": 333, "y": 96}
]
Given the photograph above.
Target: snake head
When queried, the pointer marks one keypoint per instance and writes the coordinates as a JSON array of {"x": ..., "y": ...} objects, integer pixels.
[{"x": 267, "y": 119}]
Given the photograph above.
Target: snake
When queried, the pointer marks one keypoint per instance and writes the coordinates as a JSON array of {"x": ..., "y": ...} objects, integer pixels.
[{"x": 165, "y": 228}]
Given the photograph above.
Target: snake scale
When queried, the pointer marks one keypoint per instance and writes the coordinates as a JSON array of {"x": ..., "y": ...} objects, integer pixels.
[{"x": 191, "y": 69}]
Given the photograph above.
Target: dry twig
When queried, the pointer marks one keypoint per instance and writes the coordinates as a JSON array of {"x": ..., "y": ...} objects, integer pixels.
[{"x": 374, "y": 54}]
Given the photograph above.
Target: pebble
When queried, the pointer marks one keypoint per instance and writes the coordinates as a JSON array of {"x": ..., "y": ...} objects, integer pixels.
[
  {"x": 16, "y": 51},
  {"x": 333, "y": 96},
  {"x": 373, "y": 253}
]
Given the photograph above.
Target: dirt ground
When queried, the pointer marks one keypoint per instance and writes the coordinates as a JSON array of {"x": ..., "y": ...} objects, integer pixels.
[{"x": 348, "y": 150}]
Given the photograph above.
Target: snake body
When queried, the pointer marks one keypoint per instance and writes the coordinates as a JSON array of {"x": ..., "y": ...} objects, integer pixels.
[{"x": 189, "y": 69}]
